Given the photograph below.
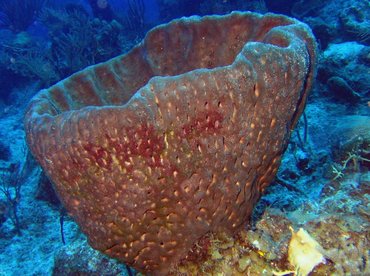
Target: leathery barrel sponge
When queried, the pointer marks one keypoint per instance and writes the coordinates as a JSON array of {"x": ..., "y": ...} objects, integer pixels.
[{"x": 176, "y": 139}]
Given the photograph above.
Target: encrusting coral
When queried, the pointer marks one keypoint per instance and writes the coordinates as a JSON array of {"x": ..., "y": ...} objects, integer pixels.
[{"x": 154, "y": 150}]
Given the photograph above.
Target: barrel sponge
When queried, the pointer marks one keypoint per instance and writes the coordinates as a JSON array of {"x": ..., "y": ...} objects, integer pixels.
[{"x": 179, "y": 137}]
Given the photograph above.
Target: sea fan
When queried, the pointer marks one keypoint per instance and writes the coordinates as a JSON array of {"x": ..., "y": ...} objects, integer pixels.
[{"x": 18, "y": 15}]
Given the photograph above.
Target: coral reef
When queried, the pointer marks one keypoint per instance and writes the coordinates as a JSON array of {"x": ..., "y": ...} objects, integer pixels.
[
  {"x": 341, "y": 238},
  {"x": 84, "y": 261},
  {"x": 344, "y": 69},
  {"x": 202, "y": 126},
  {"x": 322, "y": 184},
  {"x": 28, "y": 58},
  {"x": 18, "y": 15},
  {"x": 77, "y": 40}
]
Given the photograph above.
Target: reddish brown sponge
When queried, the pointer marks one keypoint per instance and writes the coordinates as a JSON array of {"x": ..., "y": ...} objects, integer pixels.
[{"x": 178, "y": 138}]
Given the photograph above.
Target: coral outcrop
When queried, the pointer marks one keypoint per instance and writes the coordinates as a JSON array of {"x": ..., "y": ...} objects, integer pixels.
[{"x": 153, "y": 150}]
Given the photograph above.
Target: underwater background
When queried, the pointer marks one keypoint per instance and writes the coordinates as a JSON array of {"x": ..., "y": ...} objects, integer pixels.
[{"x": 323, "y": 183}]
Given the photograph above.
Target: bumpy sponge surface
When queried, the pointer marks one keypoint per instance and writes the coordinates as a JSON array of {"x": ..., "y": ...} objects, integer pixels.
[{"x": 178, "y": 138}]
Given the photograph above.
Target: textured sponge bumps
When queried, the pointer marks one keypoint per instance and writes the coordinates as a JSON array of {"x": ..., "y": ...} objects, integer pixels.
[{"x": 179, "y": 137}]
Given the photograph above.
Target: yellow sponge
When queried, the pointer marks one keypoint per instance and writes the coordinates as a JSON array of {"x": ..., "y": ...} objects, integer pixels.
[{"x": 304, "y": 252}]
